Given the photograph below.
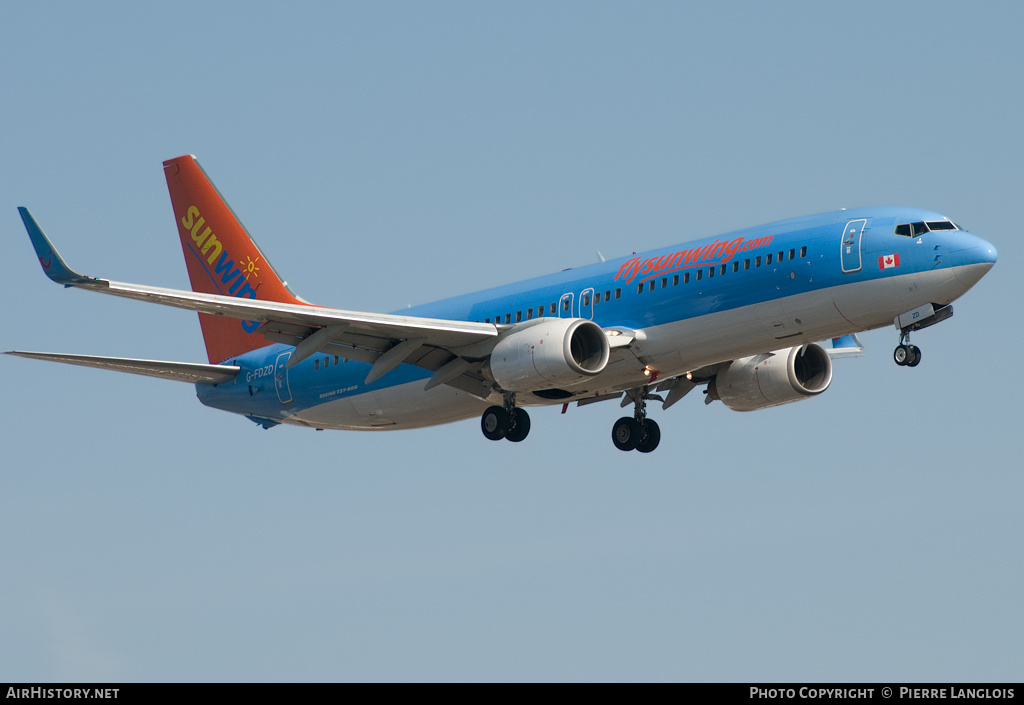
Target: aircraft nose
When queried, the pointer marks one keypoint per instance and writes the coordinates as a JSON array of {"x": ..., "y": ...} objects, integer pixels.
[
  {"x": 975, "y": 257},
  {"x": 989, "y": 255}
]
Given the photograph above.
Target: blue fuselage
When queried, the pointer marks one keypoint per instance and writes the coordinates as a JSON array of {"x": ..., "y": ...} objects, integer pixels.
[{"x": 694, "y": 304}]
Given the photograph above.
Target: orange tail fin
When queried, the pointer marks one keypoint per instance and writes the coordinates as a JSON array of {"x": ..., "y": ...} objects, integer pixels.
[{"x": 221, "y": 258}]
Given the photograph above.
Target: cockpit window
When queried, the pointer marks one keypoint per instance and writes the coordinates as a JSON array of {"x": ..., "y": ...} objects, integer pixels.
[{"x": 915, "y": 229}]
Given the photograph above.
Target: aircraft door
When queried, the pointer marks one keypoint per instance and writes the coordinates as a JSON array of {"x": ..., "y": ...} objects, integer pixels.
[
  {"x": 565, "y": 305},
  {"x": 284, "y": 390},
  {"x": 850, "y": 248},
  {"x": 587, "y": 304}
]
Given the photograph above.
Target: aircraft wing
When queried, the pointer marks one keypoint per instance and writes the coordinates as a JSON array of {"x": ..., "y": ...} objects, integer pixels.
[
  {"x": 386, "y": 340},
  {"x": 177, "y": 371}
]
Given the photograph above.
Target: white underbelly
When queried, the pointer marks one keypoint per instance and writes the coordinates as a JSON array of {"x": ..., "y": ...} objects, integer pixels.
[{"x": 392, "y": 408}]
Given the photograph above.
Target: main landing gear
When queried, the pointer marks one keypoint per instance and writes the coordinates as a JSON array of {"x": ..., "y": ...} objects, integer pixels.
[
  {"x": 905, "y": 354},
  {"x": 506, "y": 421},
  {"x": 639, "y": 432}
]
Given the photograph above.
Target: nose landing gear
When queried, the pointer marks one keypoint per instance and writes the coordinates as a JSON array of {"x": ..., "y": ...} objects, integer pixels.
[{"x": 907, "y": 355}]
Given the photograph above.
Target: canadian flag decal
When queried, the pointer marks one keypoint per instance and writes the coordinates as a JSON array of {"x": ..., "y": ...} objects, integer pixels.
[{"x": 887, "y": 261}]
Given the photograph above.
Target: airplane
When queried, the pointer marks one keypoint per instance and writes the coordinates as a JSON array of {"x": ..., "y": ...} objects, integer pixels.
[{"x": 740, "y": 313}]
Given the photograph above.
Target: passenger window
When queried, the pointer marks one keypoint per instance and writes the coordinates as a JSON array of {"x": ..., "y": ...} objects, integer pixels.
[
  {"x": 735, "y": 266},
  {"x": 640, "y": 288},
  {"x": 803, "y": 251},
  {"x": 316, "y": 364},
  {"x": 768, "y": 258},
  {"x": 607, "y": 296},
  {"x": 508, "y": 318},
  {"x": 675, "y": 280},
  {"x": 723, "y": 269},
  {"x": 699, "y": 273},
  {"x": 792, "y": 254},
  {"x": 565, "y": 304},
  {"x": 664, "y": 282},
  {"x": 519, "y": 316},
  {"x": 529, "y": 314},
  {"x": 554, "y": 308},
  {"x": 618, "y": 293},
  {"x": 335, "y": 360},
  {"x": 746, "y": 263},
  {"x": 327, "y": 362},
  {"x": 540, "y": 311},
  {"x": 487, "y": 320},
  {"x": 711, "y": 272},
  {"x": 650, "y": 285},
  {"x": 757, "y": 261},
  {"x": 686, "y": 278}
]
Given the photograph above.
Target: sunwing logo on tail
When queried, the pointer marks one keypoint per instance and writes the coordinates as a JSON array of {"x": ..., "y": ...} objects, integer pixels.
[
  {"x": 226, "y": 277},
  {"x": 249, "y": 266}
]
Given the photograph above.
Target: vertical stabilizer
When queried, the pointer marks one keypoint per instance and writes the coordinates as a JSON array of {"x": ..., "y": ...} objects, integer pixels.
[{"x": 221, "y": 258}]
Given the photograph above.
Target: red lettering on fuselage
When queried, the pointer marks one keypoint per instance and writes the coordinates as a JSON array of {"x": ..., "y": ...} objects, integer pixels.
[{"x": 717, "y": 252}]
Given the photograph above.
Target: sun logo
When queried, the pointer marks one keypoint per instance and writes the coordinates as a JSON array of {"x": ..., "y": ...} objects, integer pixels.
[{"x": 249, "y": 267}]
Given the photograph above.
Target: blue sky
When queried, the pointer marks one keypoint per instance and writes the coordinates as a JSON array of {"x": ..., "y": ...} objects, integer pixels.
[{"x": 393, "y": 154}]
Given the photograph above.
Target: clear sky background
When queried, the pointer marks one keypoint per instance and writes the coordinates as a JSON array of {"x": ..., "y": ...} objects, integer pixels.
[{"x": 386, "y": 154}]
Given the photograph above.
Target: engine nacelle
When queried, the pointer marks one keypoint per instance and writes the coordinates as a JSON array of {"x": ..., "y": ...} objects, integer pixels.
[
  {"x": 777, "y": 378},
  {"x": 548, "y": 353}
]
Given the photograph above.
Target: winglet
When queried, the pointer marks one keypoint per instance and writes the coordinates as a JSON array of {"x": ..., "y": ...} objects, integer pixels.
[{"x": 53, "y": 266}]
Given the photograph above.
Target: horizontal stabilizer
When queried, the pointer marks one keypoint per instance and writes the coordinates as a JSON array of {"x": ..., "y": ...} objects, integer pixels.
[
  {"x": 846, "y": 346},
  {"x": 178, "y": 371}
]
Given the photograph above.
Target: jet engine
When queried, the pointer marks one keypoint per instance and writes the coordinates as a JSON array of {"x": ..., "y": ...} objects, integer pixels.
[
  {"x": 773, "y": 378},
  {"x": 547, "y": 353}
]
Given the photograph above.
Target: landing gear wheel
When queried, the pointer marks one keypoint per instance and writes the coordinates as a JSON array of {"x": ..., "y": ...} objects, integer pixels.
[
  {"x": 901, "y": 355},
  {"x": 651, "y": 437},
  {"x": 520, "y": 426},
  {"x": 915, "y": 354},
  {"x": 626, "y": 433},
  {"x": 494, "y": 423}
]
